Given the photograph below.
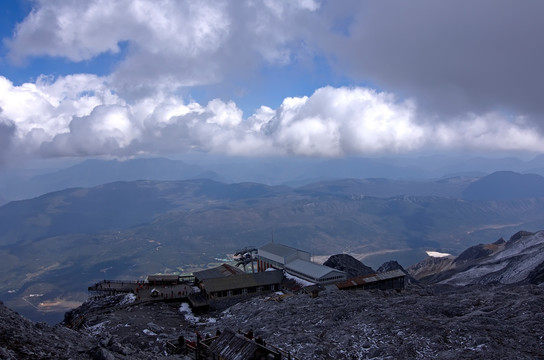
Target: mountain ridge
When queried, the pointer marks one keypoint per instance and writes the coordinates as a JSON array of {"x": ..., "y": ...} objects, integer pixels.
[
  {"x": 505, "y": 185},
  {"x": 518, "y": 260},
  {"x": 130, "y": 229},
  {"x": 272, "y": 171}
]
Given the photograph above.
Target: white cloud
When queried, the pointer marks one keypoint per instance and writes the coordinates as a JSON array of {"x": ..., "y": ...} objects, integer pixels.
[
  {"x": 170, "y": 44},
  {"x": 80, "y": 116},
  {"x": 42, "y": 110},
  {"x": 464, "y": 73},
  {"x": 81, "y": 30},
  {"x": 342, "y": 121},
  {"x": 108, "y": 129},
  {"x": 490, "y": 131}
]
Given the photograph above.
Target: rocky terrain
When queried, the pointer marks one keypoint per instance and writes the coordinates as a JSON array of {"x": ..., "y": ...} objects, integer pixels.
[
  {"x": 466, "y": 323},
  {"x": 498, "y": 314},
  {"x": 22, "y": 339},
  {"x": 520, "y": 259},
  {"x": 448, "y": 323}
]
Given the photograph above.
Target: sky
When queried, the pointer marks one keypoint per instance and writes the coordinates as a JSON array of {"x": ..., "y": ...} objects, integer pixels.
[{"x": 250, "y": 78}]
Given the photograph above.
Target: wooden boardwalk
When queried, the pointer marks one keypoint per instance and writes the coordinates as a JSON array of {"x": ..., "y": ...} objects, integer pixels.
[{"x": 142, "y": 290}]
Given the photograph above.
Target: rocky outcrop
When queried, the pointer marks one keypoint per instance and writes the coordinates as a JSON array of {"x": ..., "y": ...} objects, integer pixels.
[
  {"x": 23, "y": 339},
  {"x": 475, "y": 252},
  {"x": 536, "y": 276},
  {"x": 518, "y": 236},
  {"x": 390, "y": 266},
  {"x": 349, "y": 264},
  {"x": 478, "y": 252},
  {"x": 431, "y": 266},
  {"x": 130, "y": 331},
  {"x": 519, "y": 260},
  {"x": 520, "y": 257}
]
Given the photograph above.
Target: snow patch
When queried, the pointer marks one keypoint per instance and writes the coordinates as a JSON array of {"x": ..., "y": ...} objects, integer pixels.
[
  {"x": 98, "y": 328},
  {"x": 299, "y": 280},
  {"x": 128, "y": 299},
  {"x": 437, "y": 254},
  {"x": 149, "y": 332},
  {"x": 189, "y": 316}
]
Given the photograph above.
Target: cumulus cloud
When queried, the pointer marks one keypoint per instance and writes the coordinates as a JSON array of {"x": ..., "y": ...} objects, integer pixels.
[
  {"x": 346, "y": 121},
  {"x": 488, "y": 132},
  {"x": 42, "y": 110},
  {"x": 454, "y": 57},
  {"x": 80, "y": 116},
  {"x": 170, "y": 44}
]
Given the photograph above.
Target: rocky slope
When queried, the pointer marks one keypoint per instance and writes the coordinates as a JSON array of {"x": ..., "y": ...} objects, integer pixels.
[
  {"x": 113, "y": 338},
  {"x": 430, "y": 266},
  {"x": 466, "y": 323},
  {"x": 23, "y": 339},
  {"x": 504, "y": 291},
  {"x": 441, "y": 323},
  {"x": 520, "y": 259}
]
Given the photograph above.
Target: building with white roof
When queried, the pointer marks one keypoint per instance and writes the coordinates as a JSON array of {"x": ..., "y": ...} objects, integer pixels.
[{"x": 297, "y": 263}]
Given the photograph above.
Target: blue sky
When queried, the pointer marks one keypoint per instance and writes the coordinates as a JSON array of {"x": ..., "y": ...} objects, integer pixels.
[
  {"x": 14, "y": 12},
  {"x": 269, "y": 78}
]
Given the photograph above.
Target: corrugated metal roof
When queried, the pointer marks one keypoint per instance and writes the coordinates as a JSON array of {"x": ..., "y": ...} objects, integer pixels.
[
  {"x": 367, "y": 279},
  {"x": 242, "y": 281},
  {"x": 162, "y": 277},
  {"x": 217, "y": 272},
  {"x": 310, "y": 269},
  {"x": 278, "y": 249},
  {"x": 231, "y": 346}
]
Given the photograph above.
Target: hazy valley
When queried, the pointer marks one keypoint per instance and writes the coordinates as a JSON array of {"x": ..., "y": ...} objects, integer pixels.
[{"x": 56, "y": 244}]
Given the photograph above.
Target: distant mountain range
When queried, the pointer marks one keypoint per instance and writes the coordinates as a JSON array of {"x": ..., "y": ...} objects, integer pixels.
[
  {"x": 380, "y": 187},
  {"x": 56, "y": 244},
  {"x": 91, "y": 173},
  {"x": 505, "y": 185},
  {"x": 407, "y": 176}
]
